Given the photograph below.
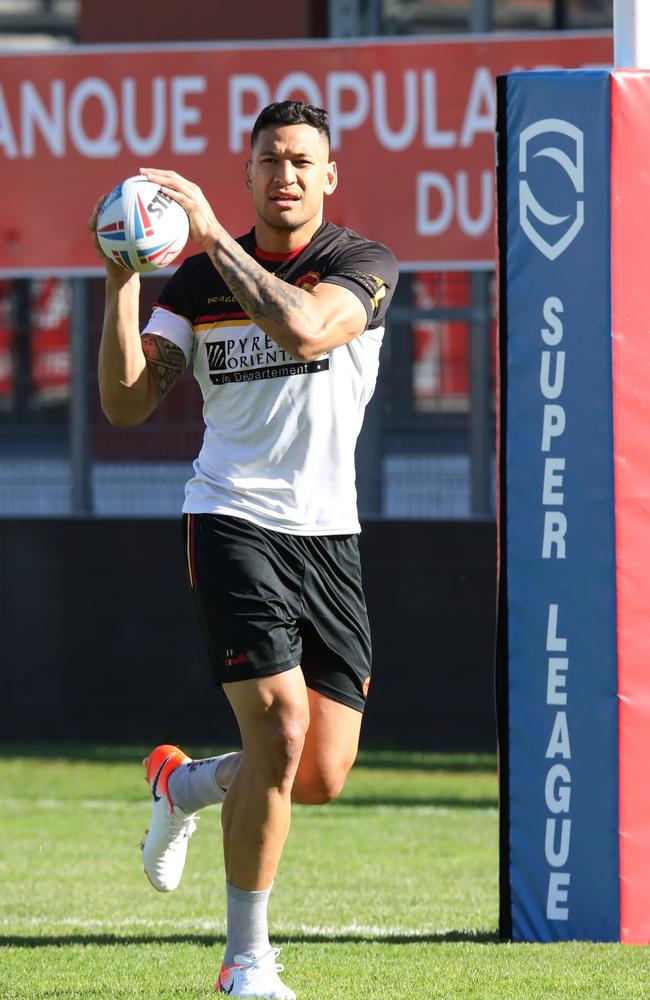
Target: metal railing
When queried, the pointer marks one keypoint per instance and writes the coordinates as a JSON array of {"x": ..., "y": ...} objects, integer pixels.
[{"x": 426, "y": 449}]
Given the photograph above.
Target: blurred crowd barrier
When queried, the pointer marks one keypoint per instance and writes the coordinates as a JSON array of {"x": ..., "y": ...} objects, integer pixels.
[{"x": 426, "y": 450}]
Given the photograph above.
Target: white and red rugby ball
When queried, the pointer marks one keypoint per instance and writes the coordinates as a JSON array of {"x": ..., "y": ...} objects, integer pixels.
[{"x": 141, "y": 228}]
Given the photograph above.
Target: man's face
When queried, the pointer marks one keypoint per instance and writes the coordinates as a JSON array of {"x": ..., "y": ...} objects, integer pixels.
[{"x": 289, "y": 174}]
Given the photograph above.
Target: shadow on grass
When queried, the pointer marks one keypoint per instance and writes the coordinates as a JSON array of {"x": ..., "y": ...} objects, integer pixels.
[
  {"x": 369, "y": 758},
  {"x": 209, "y": 940},
  {"x": 460, "y": 762},
  {"x": 432, "y": 802},
  {"x": 79, "y": 752}
]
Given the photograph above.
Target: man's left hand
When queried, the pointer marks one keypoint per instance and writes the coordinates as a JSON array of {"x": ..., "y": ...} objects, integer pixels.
[{"x": 203, "y": 222}]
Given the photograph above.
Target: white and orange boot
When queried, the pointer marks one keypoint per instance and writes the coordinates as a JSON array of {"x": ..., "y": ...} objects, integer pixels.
[
  {"x": 164, "y": 847},
  {"x": 254, "y": 977}
]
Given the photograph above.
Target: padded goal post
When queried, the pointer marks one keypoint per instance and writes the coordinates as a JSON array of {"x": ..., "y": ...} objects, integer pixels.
[{"x": 573, "y": 634}]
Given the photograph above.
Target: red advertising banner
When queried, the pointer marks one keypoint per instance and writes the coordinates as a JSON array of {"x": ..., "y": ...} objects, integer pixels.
[{"x": 412, "y": 132}]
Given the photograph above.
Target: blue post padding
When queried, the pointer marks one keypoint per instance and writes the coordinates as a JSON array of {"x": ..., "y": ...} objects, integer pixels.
[{"x": 562, "y": 669}]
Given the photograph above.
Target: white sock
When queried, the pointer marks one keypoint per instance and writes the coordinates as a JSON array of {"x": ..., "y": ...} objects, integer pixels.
[
  {"x": 194, "y": 785},
  {"x": 248, "y": 929}
]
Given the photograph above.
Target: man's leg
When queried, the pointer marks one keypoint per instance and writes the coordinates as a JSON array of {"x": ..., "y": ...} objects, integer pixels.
[
  {"x": 273, "y": 717},
  {"x": 195, "y": 784},
  {"x": 330, "y": 749}
]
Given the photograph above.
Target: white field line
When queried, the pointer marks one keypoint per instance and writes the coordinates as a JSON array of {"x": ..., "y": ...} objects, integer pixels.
[
  {"x": 117, "y": 805},
  {"x": 108, "y": 805},
  {"x": 218, "y": 926}
]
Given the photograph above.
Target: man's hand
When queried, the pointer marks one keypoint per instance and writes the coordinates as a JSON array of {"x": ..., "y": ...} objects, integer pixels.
[
  {"x": 116, "y": 274},
  {"x": 203, "y": 222}
]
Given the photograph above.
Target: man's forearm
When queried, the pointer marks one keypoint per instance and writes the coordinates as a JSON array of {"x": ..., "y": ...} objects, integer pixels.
[
  {"x": 123, "y": 379},
  {"x": 283, "y": 311}
]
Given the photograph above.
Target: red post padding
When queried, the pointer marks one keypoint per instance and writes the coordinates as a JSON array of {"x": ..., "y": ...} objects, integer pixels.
[{"x": 630, "y": 211}]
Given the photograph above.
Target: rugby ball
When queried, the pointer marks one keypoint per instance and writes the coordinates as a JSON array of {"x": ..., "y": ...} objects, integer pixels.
[{"x": 140, "y": 228}]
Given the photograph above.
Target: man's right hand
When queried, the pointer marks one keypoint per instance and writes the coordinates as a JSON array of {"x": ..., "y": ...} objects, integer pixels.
[{"x": 117, "y": 275}]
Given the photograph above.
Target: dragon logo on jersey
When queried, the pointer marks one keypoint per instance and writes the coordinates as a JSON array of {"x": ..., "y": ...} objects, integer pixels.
[{"x": 308, "y": 281}]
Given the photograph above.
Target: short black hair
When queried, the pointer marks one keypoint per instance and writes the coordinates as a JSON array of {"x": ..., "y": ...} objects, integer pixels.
[{"x": 291, "y": 113}]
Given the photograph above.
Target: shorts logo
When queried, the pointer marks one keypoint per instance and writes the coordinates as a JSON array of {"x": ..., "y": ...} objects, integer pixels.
[
  {"x": 365, "y": 686},
  {"x": 538, "y": 223},
  {"x": 235, "y": 659}
]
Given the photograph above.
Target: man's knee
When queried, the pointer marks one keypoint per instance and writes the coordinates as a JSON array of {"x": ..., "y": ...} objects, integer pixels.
[
  {"x": 282, "y": 735},
  {"x": 320, "y": 786},
  {"x": 274, "y": 740},
  {"x": 273, "y": 717}
]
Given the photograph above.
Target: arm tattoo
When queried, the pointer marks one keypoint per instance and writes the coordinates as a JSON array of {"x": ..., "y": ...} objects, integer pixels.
[
  {"x": 165, "y": 361},
  {"x": 261, "y": 294}
]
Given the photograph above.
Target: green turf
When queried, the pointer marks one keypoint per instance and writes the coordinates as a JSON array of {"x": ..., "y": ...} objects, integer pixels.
[{"x": 389, "y": 892}]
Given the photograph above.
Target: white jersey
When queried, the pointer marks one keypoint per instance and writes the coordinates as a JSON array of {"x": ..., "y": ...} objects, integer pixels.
[{"x": 280, "y": 434}]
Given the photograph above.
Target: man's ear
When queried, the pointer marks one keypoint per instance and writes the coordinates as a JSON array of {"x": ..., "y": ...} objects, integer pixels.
[
  {"x": 247, "y": 177},
  {"x": 331, "y": 178}
]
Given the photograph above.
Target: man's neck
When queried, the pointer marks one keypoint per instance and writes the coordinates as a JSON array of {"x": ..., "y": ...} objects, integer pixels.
[{"x": 284, "y": 240}]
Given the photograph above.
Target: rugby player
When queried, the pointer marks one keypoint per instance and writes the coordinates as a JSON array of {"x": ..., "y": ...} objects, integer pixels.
[{"x": 283, "y": 327}]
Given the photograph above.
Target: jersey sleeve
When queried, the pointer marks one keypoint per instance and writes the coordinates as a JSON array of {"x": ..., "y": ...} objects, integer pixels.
[
  {"x": 172, "y": 326},
  {"x": 370, "y": 271},
  {"x": 172, "y": 315}
]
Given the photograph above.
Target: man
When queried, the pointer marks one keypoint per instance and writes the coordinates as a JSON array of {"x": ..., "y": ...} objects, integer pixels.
[{"x": 283, "y": 327}]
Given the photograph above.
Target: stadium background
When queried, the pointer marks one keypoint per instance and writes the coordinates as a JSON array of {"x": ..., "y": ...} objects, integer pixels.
[{"x": 91, "y": 575}]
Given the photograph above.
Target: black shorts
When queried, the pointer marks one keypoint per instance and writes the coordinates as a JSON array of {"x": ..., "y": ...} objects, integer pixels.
[{"x": 269, "y": 601}]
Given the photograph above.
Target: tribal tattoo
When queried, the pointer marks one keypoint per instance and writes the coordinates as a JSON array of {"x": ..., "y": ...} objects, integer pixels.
[
  {"x": 261, "y": 294},
  {"x": 165, "y": 361}
]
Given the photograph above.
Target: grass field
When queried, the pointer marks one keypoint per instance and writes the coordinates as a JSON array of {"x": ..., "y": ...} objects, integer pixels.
[{"x": 389, "y": 892}]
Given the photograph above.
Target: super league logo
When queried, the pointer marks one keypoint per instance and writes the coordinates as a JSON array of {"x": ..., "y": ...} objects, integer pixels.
[{"x": 538, "y": 223}]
